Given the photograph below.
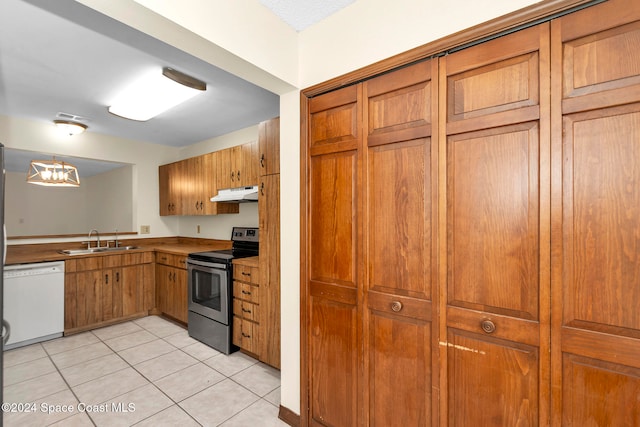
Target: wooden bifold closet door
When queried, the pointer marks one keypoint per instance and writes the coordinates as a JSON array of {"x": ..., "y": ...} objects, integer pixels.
[{"x": 471, "y": 240}]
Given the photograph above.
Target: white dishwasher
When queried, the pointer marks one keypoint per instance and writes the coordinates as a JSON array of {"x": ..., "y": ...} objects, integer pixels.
[{"x": 33, "y": 302}]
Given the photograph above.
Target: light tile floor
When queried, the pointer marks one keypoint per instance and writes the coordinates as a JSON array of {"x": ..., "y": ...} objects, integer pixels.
[{"x": 146, "y": 372}]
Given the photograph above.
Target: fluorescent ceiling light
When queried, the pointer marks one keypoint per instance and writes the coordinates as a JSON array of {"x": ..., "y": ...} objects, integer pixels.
[{"x": 155, "y": 93}]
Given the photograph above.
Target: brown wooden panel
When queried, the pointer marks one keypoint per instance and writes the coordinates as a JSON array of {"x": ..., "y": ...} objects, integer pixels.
[
  {"x": 334, "y": 117},
  {"x": 506, "y": 327},
  {"x": 89, "y": 297},
  {"x": 400, "y": 218},
  {"x": 70, "y": 299},
  {"x": 606, "y": 347},
  {"x": 604, "y": 68},
  {"x": 399, "y": 371},
  {"x": 333, "y": 363},
  {"x": 409, "y": 307},
  {"x": 492, "y": 205},
  {"x": 475, "y": 92},
  {"x": 399, "y": 105},
  {"x": 602, "y": 220},
  {"x": 597, "y": 393},
  {"x": 131, "y": 281},
  {"x": 493, "y": 382},
  {"x": 333, "y": 205}
]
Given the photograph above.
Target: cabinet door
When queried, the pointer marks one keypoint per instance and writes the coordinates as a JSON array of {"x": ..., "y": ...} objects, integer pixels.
[
  {"x": 497, "y": 304},
  {"x": 596, "y": 279},
  {"x": 131, "y": 280},
  {"x": 248, "y": 171},
  {"x": 163, "y": 278},
  {"x": 88, "y": 297},
  {"x": 224, "y": 169},
  {"x": 269, "y": 269},
  {"x": 169, "y": 184},
  {"x": 111, "y": 293},
  {"x": 269, "y": 150},
  {"x": 180, "y": 294}
]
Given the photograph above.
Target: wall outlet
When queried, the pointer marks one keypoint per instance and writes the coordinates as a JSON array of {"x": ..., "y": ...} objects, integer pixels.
[
  {"x": 198, "y": 228},
  {"x": 145, "y": 229}
]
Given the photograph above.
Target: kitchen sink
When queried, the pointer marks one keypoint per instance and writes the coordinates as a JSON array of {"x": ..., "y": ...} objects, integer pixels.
[{"x": 96, "y": 250}]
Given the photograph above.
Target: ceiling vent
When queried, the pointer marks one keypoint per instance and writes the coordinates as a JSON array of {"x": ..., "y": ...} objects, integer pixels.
[{"x": 72, "y": 117}]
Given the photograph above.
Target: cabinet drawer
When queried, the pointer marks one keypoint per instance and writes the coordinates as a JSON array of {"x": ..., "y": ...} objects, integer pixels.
[
  {"x": 246, "y": 273},
  {"x": 246, "y": 310},
  {"x": 172, "y": 260},
  {"x": 83, "y": 264},
  {"x": 245, "y": 334},
  {"x": 136, "y": 258},
  {"x": 246, "y": 292}
]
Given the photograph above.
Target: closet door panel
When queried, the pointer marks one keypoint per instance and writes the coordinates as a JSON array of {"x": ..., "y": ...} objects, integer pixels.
[
  {"x": 334, "y": 276},
  {"x": 400, "y": 370},
  {"x": 493, "y": 221},
  {"x": 602, "y": 214},
  {"x": 496, "y": 382}
]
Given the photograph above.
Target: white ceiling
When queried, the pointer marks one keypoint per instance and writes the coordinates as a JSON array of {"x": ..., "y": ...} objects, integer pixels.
[{"x": 63, "y": 57}]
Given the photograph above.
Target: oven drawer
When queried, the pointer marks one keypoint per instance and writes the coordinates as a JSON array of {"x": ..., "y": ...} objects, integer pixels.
[
  {"x": 246, "y": 310},
  {"x": 246, "y": 273},
  {"x": 172, "y": 260},
  {"x": 246, "y": 292}
]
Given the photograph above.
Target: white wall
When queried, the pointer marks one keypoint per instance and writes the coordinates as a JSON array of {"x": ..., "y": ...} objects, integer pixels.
[
  {"x": 109, "y": 200},
  {"x": 33, "y": 209}
]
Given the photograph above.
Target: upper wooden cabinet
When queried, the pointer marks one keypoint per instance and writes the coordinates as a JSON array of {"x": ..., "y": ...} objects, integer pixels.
[
  {"x": 269, "y": 150},
  {"x": 237, "y": 166},
  {"x": 187, "y": 186}
]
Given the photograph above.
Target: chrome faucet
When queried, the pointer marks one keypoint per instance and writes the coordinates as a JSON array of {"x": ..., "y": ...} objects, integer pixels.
[{"x": 97, "y": 238}]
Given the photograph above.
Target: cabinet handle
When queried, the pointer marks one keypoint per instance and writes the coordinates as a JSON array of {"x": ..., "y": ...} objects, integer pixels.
[
  {"x": 262, "y": 188},
  {"x": 201, "y": 205},
  {"x": 246, "y": 293},
  {"x": 244, "y": 310},
  {"x": 488, "y": 326},
  {"x": 245, "y": 335},
  {"x": 117, "y": 276},
  {"x": 233, "y": 174},
  {"x": 106, "y": 279},
  {"x": 396, "y": 306},
  {"x": 196, "y": 205},
  {"x": 262, "y": 160},
  {"x": 246, "y": 274}
]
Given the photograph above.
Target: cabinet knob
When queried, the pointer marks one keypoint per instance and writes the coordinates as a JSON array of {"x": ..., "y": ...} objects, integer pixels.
[
  {"x": 262, "y": 160},
  {"x": 396, "y": 306},
  {"x": 488, "y": 326},
  {"x": 238, "y": 175},
  {"x": 233, "y": 174}
]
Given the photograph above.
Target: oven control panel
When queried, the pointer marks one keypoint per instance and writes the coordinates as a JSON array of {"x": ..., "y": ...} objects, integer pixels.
[{"x": 245, "y": 234}]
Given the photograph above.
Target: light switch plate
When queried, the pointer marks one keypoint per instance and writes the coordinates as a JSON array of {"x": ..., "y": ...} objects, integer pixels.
[{"x": 145, "y": 229}]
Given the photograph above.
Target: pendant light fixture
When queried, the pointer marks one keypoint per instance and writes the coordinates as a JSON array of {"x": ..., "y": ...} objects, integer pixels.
[
  {"x": 155, "y": 93},
  {"x": 53, "y": 173}
]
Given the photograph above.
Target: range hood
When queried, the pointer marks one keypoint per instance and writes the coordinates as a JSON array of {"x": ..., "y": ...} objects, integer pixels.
[{"x": 237, "y": 195}]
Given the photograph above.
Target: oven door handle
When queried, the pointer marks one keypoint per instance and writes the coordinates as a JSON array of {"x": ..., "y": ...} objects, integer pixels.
[{"x": 206, "y": 264}]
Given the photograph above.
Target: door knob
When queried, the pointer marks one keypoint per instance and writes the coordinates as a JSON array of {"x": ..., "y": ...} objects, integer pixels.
[
  {"x": 488, "y": 326},
  {"x": 396, "y": 306}
]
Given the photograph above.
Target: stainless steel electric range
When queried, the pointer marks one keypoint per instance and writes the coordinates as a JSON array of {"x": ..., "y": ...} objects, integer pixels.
[{"x": 210, "y": 289}]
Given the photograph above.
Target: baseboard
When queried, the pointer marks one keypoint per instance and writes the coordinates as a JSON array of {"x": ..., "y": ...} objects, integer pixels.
[{"x": 289, "y": 417}]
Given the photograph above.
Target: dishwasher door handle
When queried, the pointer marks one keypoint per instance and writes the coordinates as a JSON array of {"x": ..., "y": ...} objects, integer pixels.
[{"x": 6, "y": 327}]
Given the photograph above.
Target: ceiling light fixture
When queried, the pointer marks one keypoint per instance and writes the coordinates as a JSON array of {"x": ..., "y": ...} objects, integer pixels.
[
  {"x": 70, "y": 128},
  {"x": 155, "y": 93},
  {"x": 53, "y": 173}
]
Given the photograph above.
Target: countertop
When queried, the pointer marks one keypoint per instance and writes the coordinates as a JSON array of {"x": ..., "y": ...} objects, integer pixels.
[{"x": 44, "y": 252}]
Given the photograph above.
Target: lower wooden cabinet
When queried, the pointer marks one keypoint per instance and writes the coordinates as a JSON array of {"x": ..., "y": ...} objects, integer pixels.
[
  {"x": 246, "y": 307},
  {"x": 171, "y": 286},
  {"x": 106, "y": 289}
]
